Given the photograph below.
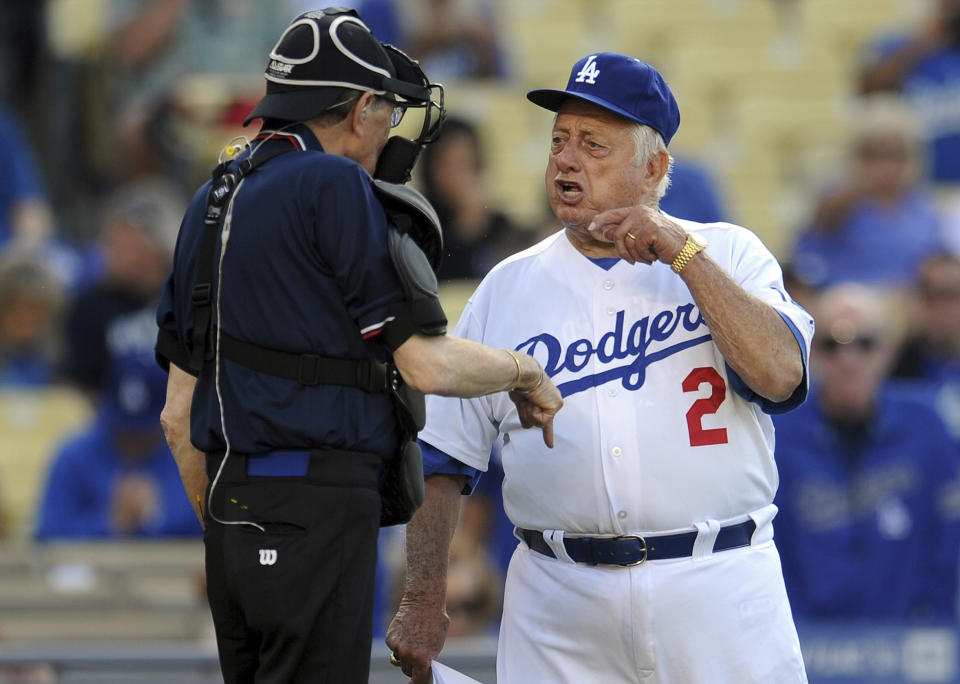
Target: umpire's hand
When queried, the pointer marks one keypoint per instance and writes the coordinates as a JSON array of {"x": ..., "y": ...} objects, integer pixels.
[{"x": 538, "y": 406}]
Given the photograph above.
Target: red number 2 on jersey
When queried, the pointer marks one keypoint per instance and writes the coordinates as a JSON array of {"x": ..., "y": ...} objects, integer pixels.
[{"x": 702, "y": 407}]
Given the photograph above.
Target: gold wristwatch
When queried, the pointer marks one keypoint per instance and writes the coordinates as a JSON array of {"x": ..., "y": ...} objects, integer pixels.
[{"x": 695, "y": 244}]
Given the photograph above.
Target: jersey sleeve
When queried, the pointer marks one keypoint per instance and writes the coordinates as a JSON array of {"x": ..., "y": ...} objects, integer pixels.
[
  {"x": 351, "y": 237},
  {"x": 174, "y": 310},
  {"x": 170, "y": 348},
  {"x": 436, "y": 462},
  {"x": 755, "y": 268}
]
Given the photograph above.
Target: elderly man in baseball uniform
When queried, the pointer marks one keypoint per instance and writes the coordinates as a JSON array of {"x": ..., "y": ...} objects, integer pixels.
[{"x": 646, "y": 548}]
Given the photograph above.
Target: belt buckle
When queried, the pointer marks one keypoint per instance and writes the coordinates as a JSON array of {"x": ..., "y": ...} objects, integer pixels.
[{"x": 643, "y": 551}]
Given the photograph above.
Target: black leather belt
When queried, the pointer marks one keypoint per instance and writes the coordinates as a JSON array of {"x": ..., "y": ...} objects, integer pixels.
[{"x": 633, "y": 550}]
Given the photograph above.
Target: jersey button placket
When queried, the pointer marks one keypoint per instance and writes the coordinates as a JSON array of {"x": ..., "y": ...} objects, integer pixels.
[{"x": 615, "y": 467}]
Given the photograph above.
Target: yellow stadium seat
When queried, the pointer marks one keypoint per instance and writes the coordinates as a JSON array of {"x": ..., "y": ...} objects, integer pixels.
[{"x": 32, "y": 425}]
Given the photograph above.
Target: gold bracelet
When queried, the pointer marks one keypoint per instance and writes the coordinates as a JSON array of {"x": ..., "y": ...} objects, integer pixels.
[
  {"x": 516, "y": 361},
  {"x": 539, "y": 382}
]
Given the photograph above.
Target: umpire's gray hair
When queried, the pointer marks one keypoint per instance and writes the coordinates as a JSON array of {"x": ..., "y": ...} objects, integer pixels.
[{"x": 648, "y": 143}]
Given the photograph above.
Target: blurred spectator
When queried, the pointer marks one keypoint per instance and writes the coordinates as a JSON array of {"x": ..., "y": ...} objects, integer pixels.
[
  {"x": 24, "y": 214},
  {"x": 117, "y": 477},
  {"x": 474, "y": 591},
  {"x": 868, "y": 497},
  {"x": 155, "y": 44},
  {"x": 931, "y": 351},
  {"x": 475, "y": 235},
  {"x": 800, "y": 289},
  {"x": 924, "y": 65},
  {"x": 483, "y": 520},
  {"x": 452, "y": 39},
  {"x": 136, "y": 243},
  {"x": 26, "y": 218},
  {"x": 31, "y": 299},
  {"x": 879, "y": 223},
  {"x": 693, "y": 193}
]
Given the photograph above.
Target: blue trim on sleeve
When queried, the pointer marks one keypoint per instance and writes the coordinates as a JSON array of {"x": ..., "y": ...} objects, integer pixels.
[
  {"x": 771, "y": 407},
  {"x": 436, "y": 461}
]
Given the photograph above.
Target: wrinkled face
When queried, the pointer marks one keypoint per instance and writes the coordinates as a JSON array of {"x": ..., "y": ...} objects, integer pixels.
[
  {"x": 591, "y": 165},
  {"x": 884, "y": 164},
  {"x": 850, "y": 358},
  {"x": 133, "y": 258}
]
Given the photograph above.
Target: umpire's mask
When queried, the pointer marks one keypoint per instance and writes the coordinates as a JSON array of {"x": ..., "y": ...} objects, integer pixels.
[{"x": 322, "y": 53}]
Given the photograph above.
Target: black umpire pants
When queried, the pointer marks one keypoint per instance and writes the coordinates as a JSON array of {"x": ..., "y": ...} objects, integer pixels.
[{"x": 294, "y": 603}]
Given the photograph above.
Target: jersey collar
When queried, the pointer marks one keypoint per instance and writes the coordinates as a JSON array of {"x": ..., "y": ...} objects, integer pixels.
[{"x": 298, "y": 134}]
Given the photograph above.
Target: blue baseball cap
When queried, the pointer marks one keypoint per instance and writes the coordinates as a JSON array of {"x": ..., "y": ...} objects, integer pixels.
[
  {"x": 134, "y": 393},
  {"x": 621, "y": 84}
]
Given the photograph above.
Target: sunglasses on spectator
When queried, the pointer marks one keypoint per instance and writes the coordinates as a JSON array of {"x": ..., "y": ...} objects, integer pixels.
[
  {"x": 880, "y": 152},
  {"x": 862, "y": 343}
]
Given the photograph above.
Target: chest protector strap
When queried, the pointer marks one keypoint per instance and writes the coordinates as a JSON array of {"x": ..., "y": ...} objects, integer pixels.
[
  {"x": 222, "y": 186},
  {"x": 307, "y": 369}
]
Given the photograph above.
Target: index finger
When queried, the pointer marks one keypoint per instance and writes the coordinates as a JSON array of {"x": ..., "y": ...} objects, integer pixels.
[
  {"x": 608, "y": 218},
  {"x": 548, "y": 433}
]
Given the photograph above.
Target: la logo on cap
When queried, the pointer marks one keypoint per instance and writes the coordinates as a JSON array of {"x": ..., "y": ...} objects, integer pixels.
[{"x": 589, "y": 72}]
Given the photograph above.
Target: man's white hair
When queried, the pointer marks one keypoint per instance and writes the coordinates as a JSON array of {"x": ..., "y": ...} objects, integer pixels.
[{"x": 648, "y": 143}]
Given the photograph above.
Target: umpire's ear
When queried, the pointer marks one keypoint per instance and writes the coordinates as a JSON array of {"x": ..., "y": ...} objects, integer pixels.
[{"x": 360, "y": 113}]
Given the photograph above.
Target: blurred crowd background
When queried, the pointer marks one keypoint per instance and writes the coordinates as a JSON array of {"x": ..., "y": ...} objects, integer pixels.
[{"x": 831, "y": 128}]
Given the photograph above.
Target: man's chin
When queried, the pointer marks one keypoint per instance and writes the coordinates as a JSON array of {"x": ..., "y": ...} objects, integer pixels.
[{"x": 573, "y": 220}]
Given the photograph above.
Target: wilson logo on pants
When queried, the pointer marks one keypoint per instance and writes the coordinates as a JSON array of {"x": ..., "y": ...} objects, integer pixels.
[{"x": 268, "y": 556}]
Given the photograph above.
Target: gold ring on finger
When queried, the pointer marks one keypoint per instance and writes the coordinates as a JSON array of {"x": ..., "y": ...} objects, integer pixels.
[
  {"x": 631, "y": 235},
  {"x": 394, "y": 660}
]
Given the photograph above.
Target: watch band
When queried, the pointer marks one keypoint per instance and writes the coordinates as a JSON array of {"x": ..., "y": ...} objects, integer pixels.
[{"x": 690, "y": 248}]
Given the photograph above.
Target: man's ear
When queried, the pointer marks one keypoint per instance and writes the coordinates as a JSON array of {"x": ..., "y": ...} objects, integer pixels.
[
  {"x": 657, "y": 167},
  {"x": 358, "y": 115}
]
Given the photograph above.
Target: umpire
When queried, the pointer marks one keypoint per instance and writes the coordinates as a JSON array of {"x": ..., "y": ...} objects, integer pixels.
[{"x": 299, "y": 325}]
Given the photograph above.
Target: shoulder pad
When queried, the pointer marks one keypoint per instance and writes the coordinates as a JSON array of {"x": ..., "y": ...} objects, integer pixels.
[{"x": 423, "y": 225}]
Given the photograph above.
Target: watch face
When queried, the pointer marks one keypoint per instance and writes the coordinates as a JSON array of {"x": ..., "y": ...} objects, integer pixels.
[{"x": 698, "y": 239}]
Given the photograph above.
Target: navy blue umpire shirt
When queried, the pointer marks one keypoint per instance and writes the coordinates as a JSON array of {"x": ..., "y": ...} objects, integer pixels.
[{"x": 306, "y": 270}]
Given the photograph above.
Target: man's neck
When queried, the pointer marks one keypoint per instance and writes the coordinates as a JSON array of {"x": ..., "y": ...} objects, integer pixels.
[{"x": 333, "y": 139}]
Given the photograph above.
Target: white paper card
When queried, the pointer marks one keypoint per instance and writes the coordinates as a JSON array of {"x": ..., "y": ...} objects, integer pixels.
[{"x": 447, "y": 675}]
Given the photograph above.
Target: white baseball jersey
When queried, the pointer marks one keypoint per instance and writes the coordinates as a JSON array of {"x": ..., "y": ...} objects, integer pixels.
[{"x": 656, "y": 431}]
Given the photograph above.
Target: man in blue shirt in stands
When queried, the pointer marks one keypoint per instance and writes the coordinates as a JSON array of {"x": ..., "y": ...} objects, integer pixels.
[
  {"x": 117, "y": 477},
  {"x": 868, "y": 497}
]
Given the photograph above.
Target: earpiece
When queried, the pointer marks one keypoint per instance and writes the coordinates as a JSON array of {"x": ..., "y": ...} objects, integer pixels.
[{"x": 363, "y": 114}]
